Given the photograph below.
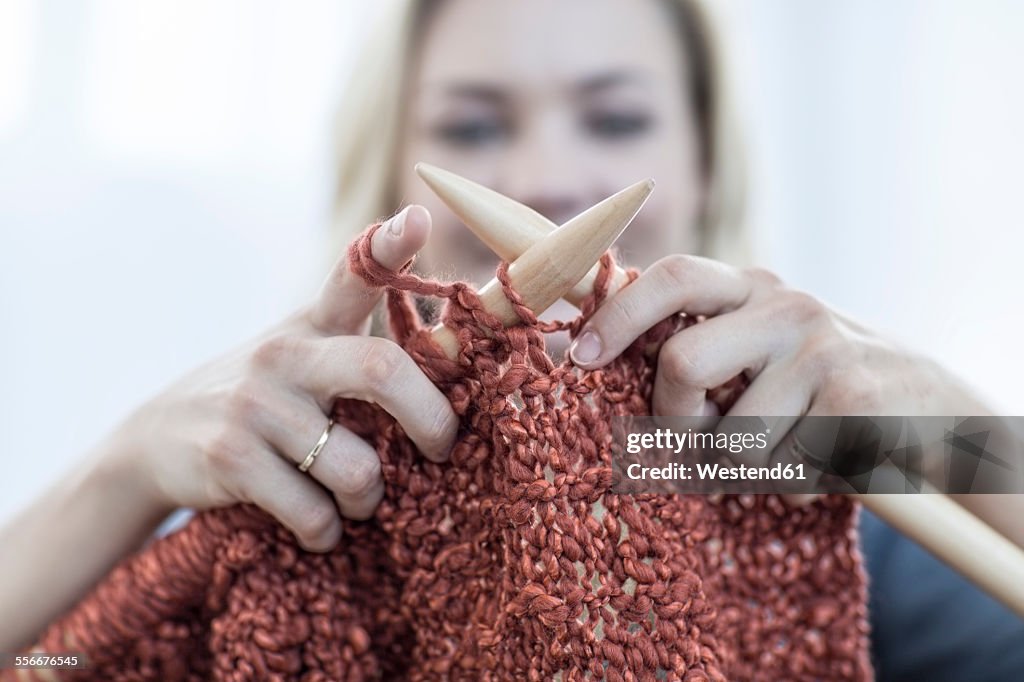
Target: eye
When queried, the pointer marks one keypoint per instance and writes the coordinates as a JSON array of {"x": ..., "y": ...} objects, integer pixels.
[
  {"x": 472, "y": 132},
  {"x": 617, "y": 125}
]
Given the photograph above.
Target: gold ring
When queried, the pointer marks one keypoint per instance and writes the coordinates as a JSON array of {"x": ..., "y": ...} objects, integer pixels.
[{"x": 308, "y": 462}]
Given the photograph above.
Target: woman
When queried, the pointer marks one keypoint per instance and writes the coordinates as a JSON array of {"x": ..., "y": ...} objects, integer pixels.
[{"x": 556, "y": 105}]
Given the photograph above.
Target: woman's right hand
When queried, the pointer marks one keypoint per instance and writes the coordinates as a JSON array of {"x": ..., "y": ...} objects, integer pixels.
[{"x": 235, "y": 429}]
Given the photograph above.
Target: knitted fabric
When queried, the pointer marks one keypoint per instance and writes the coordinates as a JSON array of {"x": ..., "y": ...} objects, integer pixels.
[{"x": 511, "y": 561}]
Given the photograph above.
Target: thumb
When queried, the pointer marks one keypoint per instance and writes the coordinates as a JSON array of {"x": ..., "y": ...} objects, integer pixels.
[{"x": 345, "y": 301}]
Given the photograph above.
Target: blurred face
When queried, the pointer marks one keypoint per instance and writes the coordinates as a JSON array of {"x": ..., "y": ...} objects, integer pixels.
[{"x": 557, "y": 104}]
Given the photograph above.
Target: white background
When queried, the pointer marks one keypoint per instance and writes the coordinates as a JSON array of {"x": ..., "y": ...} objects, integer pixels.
[{"x": 165, "y": 186}]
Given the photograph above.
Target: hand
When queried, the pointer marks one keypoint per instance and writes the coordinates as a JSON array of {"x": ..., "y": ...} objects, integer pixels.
[
  {"x": 800, "y": 357},
  {"x": 234, "y": 430}
]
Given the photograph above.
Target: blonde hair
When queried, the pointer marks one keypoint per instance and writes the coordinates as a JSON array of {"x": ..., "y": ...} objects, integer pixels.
[{"x": 370, "y": 115}]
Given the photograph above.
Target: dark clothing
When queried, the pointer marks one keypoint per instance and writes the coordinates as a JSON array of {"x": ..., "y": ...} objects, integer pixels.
[{"x": 929, "y": 623}]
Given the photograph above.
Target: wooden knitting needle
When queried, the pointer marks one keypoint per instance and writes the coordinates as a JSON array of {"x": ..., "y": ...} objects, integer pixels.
[
  {"x": 548, "y": 268},
  {"x": 488, "y": 213},
  {"x": 959, "y": 538},
  {"x": 937, "y": 523}
]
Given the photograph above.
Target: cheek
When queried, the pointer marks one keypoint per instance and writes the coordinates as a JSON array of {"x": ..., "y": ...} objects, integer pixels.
[
  {"x": 668, "y": 221},
  {"x": 661, "y": 228}
]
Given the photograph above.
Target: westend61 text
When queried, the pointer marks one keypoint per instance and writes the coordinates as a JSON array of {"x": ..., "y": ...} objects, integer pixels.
[{"x": 717, "y": 472}]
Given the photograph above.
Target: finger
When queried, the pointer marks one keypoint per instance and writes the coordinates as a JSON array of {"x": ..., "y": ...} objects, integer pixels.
[
  {"x": 778, "y": 397},
  {"x": 345, "y": 300},
  {"x": 781, "y": 398},
  {"x": 690, "y": 284},
  {"x": 787, "y": 397},
  {"x": 294, "y": 499},
  {"x": 778, "y": 392},
  {"x": 378, "y": 370},
  {"x": 707, "y": 355},
  {"x": 804, "y": 449},
  {"x": 346, "y": 465},
  {"x": 351, "y": 470}
]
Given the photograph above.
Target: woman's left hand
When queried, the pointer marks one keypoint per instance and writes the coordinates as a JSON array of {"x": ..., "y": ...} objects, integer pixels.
[{"x": 800, "y": 356}]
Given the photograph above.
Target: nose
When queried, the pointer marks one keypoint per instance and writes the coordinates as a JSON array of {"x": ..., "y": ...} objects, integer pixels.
[{"x": 542, "y": 170}]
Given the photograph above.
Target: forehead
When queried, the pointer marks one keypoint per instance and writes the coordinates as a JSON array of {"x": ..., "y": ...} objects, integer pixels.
[{"x": 550, "y": 41}]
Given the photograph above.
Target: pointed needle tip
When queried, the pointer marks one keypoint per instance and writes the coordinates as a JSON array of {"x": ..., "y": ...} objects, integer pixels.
[
  {"x": 638, "y": 191},
  {"x": 424, "y": 169},
  {"x": 647, "y": 186}
]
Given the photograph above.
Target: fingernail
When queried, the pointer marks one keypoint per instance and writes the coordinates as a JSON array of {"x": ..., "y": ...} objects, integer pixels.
[
  {"x": 397, "y": 223},
  {"x": 586, "y": 348}
]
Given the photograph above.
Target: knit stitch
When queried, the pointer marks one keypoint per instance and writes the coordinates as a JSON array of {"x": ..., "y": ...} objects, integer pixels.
[{"x": 511, "y": 561}]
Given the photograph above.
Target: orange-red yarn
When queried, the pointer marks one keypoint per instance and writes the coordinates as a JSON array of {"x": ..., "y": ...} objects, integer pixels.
[{"x": 510, "y": 562}]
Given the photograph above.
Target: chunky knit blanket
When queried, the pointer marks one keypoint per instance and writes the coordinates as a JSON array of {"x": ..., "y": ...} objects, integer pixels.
[{"x": 512, "y": 561}]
